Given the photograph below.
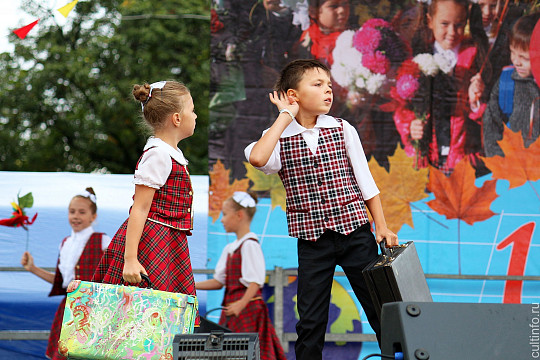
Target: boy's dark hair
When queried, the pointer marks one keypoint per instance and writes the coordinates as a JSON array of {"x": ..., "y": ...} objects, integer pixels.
[
  {"x": 520, "y": 35},
  {"x": 292, "y": 73}
]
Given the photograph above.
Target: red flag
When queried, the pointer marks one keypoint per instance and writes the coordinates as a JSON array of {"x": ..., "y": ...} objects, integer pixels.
[{"x": 22, "y": 32}]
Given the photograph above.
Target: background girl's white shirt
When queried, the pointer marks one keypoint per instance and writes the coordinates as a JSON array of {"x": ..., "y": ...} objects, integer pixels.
[
  {"x": 253, "y": 266},
  {"x": 71, "y": 251},
  {"x": 155, "y": 165},
  {"x": 451, "y": 55},
  {"x": 355, "y": 151}
]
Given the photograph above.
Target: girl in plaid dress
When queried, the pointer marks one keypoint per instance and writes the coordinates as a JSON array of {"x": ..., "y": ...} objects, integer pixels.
[
  {"x": 241, "y": 270},
  {"x": 79, "y": 255},
  {"x": 153, "y": 240}
]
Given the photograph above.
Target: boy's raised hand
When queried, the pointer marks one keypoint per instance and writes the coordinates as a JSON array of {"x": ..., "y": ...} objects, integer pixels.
[{"x": 282, "y": 101}]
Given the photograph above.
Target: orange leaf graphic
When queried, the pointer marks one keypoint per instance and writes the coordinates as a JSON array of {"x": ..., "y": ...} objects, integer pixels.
[
  {"x": 457, "y": 197},
  {"x": 220, "y": 189},
  {"x": 519, "y": 164},
  {"x": 399, "y": 188}
]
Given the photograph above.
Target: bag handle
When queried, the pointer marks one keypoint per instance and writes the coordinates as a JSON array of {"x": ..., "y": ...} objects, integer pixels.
[
  {"x": 147, "y": 279},
  {"x": 384, "y": 250}
]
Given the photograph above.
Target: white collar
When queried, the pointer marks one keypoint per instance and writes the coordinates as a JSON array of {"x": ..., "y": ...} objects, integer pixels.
[
  {"x": 175, "y": 153},
  {"x": 323, "y": 121},
  {"x": 439, "y": 49},
  {"x": 236, "y": 243},
  {"x": 83, "y": 234}
]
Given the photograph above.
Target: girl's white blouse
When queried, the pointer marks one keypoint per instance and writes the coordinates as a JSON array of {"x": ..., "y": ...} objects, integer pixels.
[
  {"x": 155, "y": 165},
  {"x": 71, "y": 251},
  {"x": 253, "y": 266}
]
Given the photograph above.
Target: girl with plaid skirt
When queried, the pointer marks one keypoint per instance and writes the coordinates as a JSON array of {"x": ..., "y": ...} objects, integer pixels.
[
  {"x": 153, "y": 240},
  {"x": 241, "y": 269},
  {"x": 79, "y": 255}
]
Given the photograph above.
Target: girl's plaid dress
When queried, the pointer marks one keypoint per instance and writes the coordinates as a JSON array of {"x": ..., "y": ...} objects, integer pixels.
[
  {"x": 254, "y": 317},
  {"x": 163, "y": 247}
]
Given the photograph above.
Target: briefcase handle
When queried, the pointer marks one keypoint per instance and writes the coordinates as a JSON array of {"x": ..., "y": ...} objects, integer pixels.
[{"x": 384, "y": 250}]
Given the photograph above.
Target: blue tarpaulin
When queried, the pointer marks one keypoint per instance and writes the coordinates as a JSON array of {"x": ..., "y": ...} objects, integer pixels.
[{"x": 24, "y": 301}]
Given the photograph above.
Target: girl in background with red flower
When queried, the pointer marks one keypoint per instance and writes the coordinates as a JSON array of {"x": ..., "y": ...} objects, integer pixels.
[
  {"x": 79, "y": 256},
  {"x": 449, "y": 99},
  {"x": 328, "y": 19}
]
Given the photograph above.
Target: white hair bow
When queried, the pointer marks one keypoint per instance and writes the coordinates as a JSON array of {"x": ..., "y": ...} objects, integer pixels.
[{"x": 244, "y": 199}]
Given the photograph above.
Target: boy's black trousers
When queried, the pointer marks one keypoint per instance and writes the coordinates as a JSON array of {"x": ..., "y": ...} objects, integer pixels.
[{"x": 317, "y": 262}]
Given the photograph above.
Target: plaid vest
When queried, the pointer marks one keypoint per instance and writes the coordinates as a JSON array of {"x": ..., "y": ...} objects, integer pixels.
[
  {"x": 322, "y": 192},
  {"x": 172, "y": 203},
  {"x": 84, "y": 270},
  {"x": 234, "y": 289}
]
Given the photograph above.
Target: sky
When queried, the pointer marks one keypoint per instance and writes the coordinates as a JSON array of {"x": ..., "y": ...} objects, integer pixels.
[{"x": 13, "y": 17}]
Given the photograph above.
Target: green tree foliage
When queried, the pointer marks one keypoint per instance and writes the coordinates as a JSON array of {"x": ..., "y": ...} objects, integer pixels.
[{"x": 65, "y": 92}]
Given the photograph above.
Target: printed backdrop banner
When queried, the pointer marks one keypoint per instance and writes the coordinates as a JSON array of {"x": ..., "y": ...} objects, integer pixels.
[{"x": 457, "y": 168}]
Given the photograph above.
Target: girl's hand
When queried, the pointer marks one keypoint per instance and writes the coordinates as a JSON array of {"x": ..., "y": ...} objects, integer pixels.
[
  {"x": 417, "y": 129},
  {"x": 132, "y": 271},
  {"x": 388, "y": 235},
  {"x": 282, "y": 101},
  {"x": 27, "y": 261},
  {"x": 476, "y": 88},
  {"x": 234, "y": 309}
]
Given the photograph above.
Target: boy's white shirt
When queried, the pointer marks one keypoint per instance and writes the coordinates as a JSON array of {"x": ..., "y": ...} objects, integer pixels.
[
  {"x": 253, "y": 266},
  {"x": 355, "y": 151},
  {"x": 155, "y": 165},
  {"x": 71, "y": 251}
]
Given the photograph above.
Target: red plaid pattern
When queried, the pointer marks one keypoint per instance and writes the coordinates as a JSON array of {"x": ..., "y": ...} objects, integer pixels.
[
  {"x": 322, "y": 192},
  {"x": 172, "y": 203},
  {"x": 84, "y": 270},
  {"x": 86, "y": 266},
  {"x": 254, "y": 317},
  {"x": 163, "y": 252}
]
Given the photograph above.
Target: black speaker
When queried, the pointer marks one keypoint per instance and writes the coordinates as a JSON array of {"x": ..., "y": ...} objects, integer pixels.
[
  {"x": 460, "y": 331},
  {"x": 216, "y": 345}
]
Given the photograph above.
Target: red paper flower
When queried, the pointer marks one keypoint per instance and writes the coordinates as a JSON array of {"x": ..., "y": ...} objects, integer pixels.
[{"x": 19, "y": 217}]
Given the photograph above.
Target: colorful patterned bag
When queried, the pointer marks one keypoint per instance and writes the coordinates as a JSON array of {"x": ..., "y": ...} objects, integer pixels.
[{"x": 104, "y": 321}]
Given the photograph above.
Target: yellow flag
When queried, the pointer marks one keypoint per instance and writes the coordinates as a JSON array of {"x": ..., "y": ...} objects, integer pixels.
[{"x": 66, "y": 9}]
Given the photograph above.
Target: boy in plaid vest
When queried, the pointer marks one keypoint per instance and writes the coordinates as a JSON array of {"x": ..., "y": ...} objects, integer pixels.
[{"x": 323, "y": 168}]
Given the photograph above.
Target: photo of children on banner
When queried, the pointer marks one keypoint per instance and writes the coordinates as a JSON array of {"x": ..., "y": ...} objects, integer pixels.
[
  {"x": 78, "y": 258},
  {"x": 253, "y": 41},
  {"x": 442, "y": 119},
  {"x": 241, "y": 270},
  {"x": 515, "y": 98}
]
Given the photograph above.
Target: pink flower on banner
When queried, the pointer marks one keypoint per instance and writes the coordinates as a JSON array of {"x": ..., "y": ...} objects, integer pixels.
[
  {"x": 406, "y": 86},
  {"x": 376, "y": 22},
  {"x": 366, "y": 40},
  {"x": 377, "y": 62}
]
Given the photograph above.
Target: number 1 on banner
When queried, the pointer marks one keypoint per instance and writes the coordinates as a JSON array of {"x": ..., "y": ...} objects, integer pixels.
[{"x": 521, "y": 240}]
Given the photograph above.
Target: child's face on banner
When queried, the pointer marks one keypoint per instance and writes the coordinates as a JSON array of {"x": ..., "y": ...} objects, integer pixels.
[
  {"x": 333, "y": 15},
  {"x": 489, "y": 11},
  {"x": 448, "y": 24},
  {"x": 521, "y": 60}
]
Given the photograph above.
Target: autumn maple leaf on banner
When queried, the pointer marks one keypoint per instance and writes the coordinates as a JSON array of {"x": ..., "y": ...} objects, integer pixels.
[
  {"x": 399, "y": 187},
  {"x": 457, "y": 197},
  {"x": 519, "y": 164},
  {"x": 263, "y": 182},
  {"x": 220, "y": 189}
]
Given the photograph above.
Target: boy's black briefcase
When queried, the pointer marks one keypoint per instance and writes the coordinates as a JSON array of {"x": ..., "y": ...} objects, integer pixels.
[{"x": 396, "y": 275}]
